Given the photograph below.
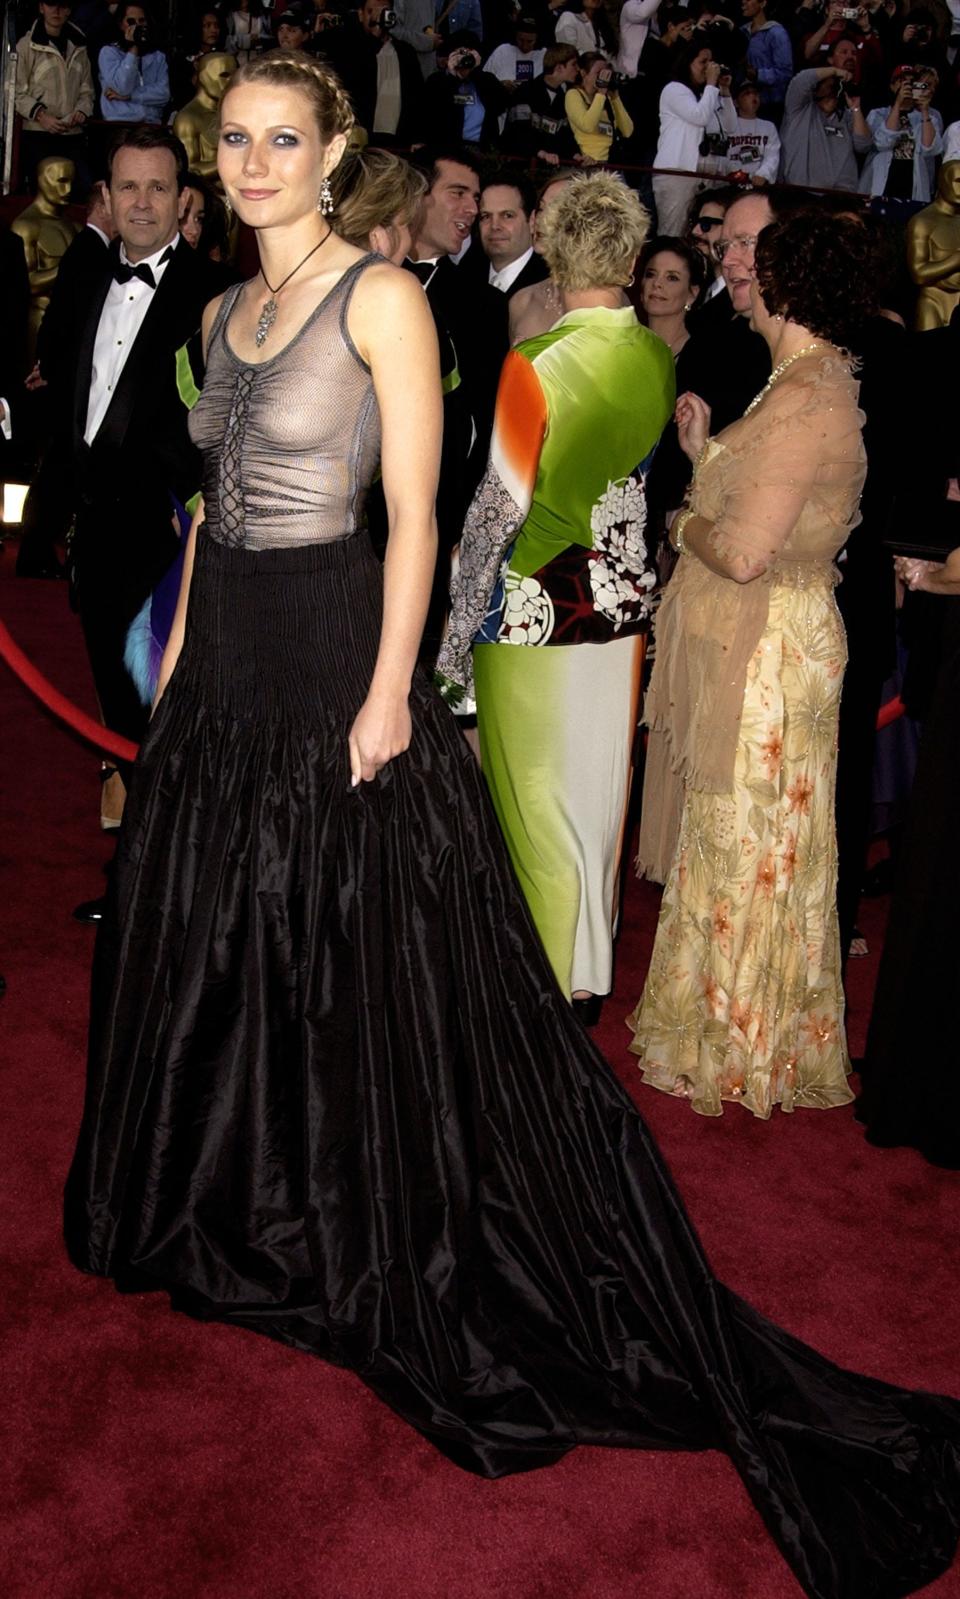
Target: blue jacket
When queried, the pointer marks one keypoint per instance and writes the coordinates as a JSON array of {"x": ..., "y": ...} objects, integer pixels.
[
  {"x": 873, "y": 178},
  {"x": 466, "y": 17},
  {"x": 143, "y": 79},
  {"x": 769, "y": 50}
]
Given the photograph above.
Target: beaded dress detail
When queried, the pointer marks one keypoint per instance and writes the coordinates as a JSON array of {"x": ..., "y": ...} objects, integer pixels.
[{"x": 334, "y": 1093}]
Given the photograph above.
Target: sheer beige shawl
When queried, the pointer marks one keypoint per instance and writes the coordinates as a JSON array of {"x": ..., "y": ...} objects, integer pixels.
[{"x": 781, "y": 487}]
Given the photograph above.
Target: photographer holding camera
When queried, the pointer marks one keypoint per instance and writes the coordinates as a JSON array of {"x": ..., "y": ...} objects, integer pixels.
[
  {"x": 381, "y": 75},
  {"x": 697, "y": 117},
  {"x": 134, "y": 80},
  {"x": 824, "y": 130},
  {"x": 907, "y": 138},
  {"x": 595, "y": 110}
]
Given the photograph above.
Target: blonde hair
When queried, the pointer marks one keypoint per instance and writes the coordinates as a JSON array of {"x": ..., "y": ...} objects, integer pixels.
[
  {"x": 371, "y": 189},
  {"x": 591, "y": 236},
  {"x": 294, "y": 69}
]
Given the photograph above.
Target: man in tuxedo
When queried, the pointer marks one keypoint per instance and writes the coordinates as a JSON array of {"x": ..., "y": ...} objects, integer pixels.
[
  {"x": 506, "y": 206},
  {"x": 132, "y": 450},
  {"x": 49, "y": 505},
  {"x": 471, "y": 321}
]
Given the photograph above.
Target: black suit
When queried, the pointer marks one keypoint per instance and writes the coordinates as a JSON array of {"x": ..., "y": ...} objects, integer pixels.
[
  {"x": 475, "y": 269},
  {"x": 140, "y": 457},
  {"x": 476, "y": 317},
  {"x": 726, "y": 364},
  {"x": 14, "y": 306},
  {"x": 50, "y": 502}
]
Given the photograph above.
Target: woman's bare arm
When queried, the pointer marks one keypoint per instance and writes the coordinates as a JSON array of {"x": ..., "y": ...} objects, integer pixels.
[{"x": 391, "y": 325}]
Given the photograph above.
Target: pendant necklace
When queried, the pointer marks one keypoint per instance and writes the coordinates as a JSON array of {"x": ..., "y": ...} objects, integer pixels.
[
  {"x": 805, "y": 349},
  {"x": 268, "y": 315}
]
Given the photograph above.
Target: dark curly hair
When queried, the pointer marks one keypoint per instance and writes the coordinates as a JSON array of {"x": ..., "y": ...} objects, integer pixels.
[{"x": 818, "y": 271}]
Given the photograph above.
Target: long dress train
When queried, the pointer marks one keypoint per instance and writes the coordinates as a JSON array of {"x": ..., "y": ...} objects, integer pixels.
[{"x": 336, "y": 1096}]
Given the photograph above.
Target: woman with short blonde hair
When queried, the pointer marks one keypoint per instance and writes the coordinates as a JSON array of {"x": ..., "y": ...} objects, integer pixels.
[{"x": 580, "y": 410}]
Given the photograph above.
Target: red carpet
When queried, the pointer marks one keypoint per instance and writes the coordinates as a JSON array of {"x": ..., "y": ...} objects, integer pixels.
[{"x": 143, "y": 1454}]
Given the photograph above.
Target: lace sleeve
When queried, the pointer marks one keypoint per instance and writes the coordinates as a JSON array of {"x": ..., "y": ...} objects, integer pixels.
[
  {"x": 497, "y": 511},
  {"x": 801, "y": 446}
]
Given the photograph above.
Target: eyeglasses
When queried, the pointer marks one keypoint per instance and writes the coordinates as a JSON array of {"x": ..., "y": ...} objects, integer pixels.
[
  {"x": 743, "y": 241},
  {"x": 706, "y": 223}
]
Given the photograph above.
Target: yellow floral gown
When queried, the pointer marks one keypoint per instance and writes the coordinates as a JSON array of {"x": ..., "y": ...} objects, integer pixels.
[{"x": 743, "y": 999}]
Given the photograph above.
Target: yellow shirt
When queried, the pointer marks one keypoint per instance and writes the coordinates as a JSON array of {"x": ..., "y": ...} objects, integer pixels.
[{"x": 591, "y": 124}]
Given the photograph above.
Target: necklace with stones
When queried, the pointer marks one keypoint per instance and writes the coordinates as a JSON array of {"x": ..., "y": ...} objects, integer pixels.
[
  {"x": 780, "y": 368},
  {"x": 268, "y": 315}
]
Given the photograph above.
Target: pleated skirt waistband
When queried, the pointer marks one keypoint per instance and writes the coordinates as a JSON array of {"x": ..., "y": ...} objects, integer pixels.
[{"x": 281, "y": 633}]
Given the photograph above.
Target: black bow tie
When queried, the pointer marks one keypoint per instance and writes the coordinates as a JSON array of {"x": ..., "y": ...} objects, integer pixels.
[
  {"x": 423, "y": 270},
  {"x": 123, "y": 273}
]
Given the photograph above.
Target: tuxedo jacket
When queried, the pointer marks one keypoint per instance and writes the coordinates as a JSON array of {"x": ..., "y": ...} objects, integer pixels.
[
  {"x": 142, "y": 449},
  {"x": 476, "y": 318},
  {"x": 14, "y": 306},
  {"x": 79, "y": 277}
]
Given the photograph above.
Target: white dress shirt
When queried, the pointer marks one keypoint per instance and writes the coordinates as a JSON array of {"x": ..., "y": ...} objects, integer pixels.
[
  {"x": 123, "y": 312},
  {"x": 507, "y": 276}
]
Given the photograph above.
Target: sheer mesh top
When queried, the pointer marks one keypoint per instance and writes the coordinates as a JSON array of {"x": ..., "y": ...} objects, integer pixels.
[{"x": 290, "y": 445}]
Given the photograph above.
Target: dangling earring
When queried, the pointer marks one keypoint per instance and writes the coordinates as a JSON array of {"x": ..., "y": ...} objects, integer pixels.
[
  {"x": 688, "y": 305},
  {"x": 325, "y": 201}
]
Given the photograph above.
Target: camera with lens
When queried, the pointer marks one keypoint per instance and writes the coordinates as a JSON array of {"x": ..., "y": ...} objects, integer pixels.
[
  {"x": 714, "y": 144},
  {"x": 850, "y": 13},
  {"x": 387, "y": 18},
  {"x": 139, "y": 35}
]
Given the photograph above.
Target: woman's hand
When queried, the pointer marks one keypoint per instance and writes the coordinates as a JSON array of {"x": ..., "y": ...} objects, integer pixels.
[
  {"x": 692, "y": 417},
  {"x": 382, "y": 730},
  {"x": 915, "y": 574}
]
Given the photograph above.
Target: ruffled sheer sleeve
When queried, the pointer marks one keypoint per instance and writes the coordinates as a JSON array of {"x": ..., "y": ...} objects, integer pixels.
[
  {"x": 802, "y": 455},
  {"x": 782, "y": 488}
]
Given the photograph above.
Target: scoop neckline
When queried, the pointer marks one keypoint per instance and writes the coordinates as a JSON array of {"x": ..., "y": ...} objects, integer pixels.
[{"x": 255, "y": 366}]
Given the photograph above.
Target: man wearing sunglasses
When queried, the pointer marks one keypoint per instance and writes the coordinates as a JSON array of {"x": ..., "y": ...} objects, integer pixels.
[{"x": 703, "y": 229}]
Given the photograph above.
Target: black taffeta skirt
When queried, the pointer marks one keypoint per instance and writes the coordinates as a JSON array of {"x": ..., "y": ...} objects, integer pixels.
[{"x": 335, "y": 1095}]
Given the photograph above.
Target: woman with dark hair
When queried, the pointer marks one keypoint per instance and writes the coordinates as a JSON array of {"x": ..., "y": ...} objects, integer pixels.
[
  {"x": 595, "y": 110},
  {"x": 696, "y": 115},
  {"x": 743, "y": 1000},
  {"x": 672, "y": 276}
]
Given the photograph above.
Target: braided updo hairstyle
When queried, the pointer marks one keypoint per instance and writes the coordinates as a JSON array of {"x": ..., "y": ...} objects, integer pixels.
[{"x": 294, "y": 69}]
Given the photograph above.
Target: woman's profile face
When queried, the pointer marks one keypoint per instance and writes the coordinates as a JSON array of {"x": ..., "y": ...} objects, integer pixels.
[
  {"x": 193, "y": 217},
  {"x": 665, "y": 286},
  {"x": 270, "y": 156},
  {"x": 698, "y": 67}
]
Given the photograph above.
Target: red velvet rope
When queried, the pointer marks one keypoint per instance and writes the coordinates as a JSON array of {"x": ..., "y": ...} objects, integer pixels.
[
  {"x": 110, "y": 743},
  {"x": 124, "y": 750}
]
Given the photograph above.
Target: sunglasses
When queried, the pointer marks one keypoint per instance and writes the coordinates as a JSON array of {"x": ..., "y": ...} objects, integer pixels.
[{"x": 706, "y": 223}]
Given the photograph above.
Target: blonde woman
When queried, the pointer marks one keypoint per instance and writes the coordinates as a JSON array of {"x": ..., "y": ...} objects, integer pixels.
[
  {"x": 334, "y": 1094},
  {"x": 377, "y": 196},
  {"x": 579, "y": 414}
]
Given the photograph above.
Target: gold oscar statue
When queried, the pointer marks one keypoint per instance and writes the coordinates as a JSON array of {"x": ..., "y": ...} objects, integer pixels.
[
  {"x": 196, "y": 125},
  {"x": 933, "y": 251},
  {"x": 46, "y": 232}
]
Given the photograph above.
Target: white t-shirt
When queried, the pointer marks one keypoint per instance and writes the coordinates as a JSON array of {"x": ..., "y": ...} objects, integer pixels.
[
  {"x": 754, "y": 148},
  {"x": 511, "y": 65}
]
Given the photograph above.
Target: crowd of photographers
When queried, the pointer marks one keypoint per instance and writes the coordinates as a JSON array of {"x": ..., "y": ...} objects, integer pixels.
[{"x": 820, "y": 94}]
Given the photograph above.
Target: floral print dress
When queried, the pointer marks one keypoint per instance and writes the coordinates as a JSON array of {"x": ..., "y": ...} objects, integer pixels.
[
  {"x": 743, "y": 1000},
  {"x": 554, "y": 559}
]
